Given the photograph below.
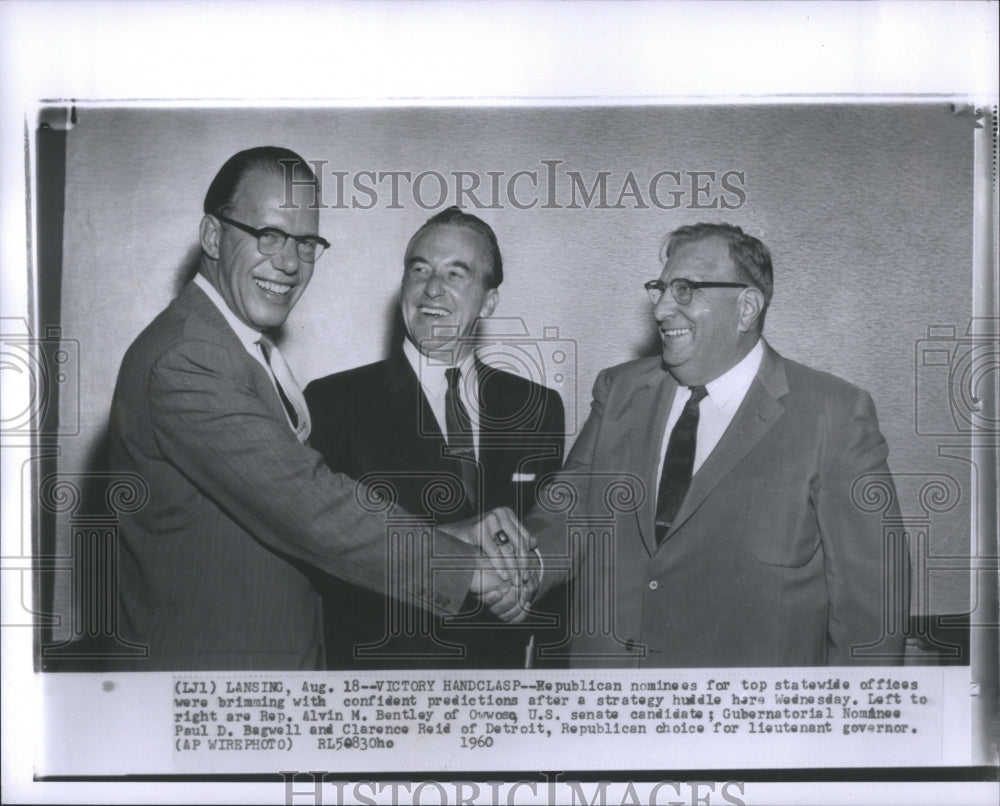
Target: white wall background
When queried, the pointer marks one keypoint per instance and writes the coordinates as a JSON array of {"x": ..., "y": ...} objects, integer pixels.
[{"x": 867, "y": 210}]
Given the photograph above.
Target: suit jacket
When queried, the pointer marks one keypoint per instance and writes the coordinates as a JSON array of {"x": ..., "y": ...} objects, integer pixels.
[
  {"x": 376, "y": 419},
  {"x": 772, "y": 560},
  {"x": 211, "y": 567}
]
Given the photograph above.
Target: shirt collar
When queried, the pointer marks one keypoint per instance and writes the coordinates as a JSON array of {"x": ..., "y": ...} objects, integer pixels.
[
  {"x": 738, "y": 379},
  {"x": 431, "y": 373},
  {"x": 246, "y": 334}
]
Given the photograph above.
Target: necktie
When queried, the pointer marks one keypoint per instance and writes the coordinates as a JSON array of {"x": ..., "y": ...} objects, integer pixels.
[
  {"x": 460, "y": 440},
  {"x": 288, "y": 390},
  {"x": 678, "y": 463}
]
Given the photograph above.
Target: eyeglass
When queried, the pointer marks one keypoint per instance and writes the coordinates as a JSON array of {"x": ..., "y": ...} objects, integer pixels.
[
  {"x": 271, "y": 240},
  {"x": 682, "y": 289}
]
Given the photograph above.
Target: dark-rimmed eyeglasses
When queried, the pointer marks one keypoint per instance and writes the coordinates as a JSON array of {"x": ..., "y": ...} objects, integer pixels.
[
  {"x": 271, "y": 240},
  {"x": 682, "y": 289}
]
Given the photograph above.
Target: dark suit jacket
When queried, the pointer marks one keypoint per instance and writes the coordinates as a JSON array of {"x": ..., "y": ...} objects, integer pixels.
[
  {"x": 774, "y": 558},
  {"x": 375, "y": 419},
  {"x": 210, "y": 568}
]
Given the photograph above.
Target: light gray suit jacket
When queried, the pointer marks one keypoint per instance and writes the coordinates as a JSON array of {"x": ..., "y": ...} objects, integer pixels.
[
  {"x": 773, "y": 558},
  {"x": 211, "y": 569}
]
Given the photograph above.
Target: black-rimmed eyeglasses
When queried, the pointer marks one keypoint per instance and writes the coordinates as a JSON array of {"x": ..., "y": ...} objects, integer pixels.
[
  {"x": 682, "y": 289},
  {"x": 271, "y": 240}
]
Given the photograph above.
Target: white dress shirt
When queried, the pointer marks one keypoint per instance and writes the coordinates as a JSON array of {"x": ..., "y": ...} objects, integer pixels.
[
  {"x": 431, "y": 374},
  {"x": 725, "y": 394},
  {"x": 433, "y": 381}
]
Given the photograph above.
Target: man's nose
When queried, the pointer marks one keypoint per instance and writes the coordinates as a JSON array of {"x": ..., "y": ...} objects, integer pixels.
[
  {"x": 288, "y": 260},
  {"x": 665, "y": 307},
  {"x": 434, "y": 286}
]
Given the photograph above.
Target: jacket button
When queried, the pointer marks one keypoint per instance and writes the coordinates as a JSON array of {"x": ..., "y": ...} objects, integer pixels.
[{"x": 653, "y": 584}]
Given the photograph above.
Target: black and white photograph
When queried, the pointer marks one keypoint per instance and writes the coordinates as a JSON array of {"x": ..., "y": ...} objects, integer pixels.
[{"x": 531, "y": 442}]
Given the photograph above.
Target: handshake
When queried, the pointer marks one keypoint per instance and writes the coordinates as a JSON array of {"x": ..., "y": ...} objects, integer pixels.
[{"x": 508, "y": 573}]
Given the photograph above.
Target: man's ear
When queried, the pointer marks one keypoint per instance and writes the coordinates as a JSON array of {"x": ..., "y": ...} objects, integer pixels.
[
  {"x": 751, "y": 307},
  {"x": 490, "y": 303},
  {"x": 209, "y": 233}
]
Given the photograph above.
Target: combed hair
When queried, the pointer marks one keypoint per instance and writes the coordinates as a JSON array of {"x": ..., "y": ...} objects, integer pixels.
[
  {"x": 455, "y": 216},
  {"x": 751, "y": 258},
  {"x": 266, "y": 159}
]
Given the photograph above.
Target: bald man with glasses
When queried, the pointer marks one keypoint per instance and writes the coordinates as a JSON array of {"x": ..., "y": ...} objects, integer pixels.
[{"x": 748, "y": 544}]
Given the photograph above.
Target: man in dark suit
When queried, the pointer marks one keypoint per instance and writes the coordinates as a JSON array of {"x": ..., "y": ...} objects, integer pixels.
[
  {"x": 748, "y": 541},
  {"x": 207, "y": 413},
  {"x": 432, "y": 412}
]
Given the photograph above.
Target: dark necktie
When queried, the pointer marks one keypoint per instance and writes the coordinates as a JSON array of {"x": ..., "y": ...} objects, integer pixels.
[
  {"x": 678, "y": 463},
  {"x": 460, "y": 440}
]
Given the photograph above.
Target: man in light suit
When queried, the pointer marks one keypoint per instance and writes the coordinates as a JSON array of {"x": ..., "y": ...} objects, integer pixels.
[
  {"x": 391, "y": 419},
  {"x": 212, "y": 569},
  {"x": 747, "y": 543}
]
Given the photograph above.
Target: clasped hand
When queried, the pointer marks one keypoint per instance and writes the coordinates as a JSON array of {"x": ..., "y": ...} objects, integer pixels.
[{"x": 507, "y": 577}]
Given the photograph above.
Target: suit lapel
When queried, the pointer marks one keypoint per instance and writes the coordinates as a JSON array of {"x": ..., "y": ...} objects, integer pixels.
[
  {"x": 493, "y": 412},
  {"x": 411, "y": 413},
  {"x": 649, "y": 409},
  {"x": 757, "y": 415},
  {"x": 212, "y": 326}
]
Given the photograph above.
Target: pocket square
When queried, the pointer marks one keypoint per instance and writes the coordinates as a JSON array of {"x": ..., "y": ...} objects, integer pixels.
[{"x": 523, "y": 477}]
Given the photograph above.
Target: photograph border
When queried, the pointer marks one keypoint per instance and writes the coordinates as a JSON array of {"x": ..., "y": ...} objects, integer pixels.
[{"x": 971, "y": 83}]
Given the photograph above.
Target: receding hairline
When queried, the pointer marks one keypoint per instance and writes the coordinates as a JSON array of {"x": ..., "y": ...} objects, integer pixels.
[
  {"x": 428, "y": 227},
  {"x": 750, "y": 257},
  {"x": 265, "y": 172},
  {"x": 265, "y": 160}
]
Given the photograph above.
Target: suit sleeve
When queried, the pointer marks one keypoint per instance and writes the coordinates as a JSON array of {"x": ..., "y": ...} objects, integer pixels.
[
  {"x": 867, "y": 574},
  {"x": 210, "y": 422},
  {"x": 548, "y": 527}
]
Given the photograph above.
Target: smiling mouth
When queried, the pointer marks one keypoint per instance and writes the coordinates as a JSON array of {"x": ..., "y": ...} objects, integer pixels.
[
  {"x": 437, "y": 313},
  {"x": 279, "y": 289},
  {"x": 674, "y": 332}
]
